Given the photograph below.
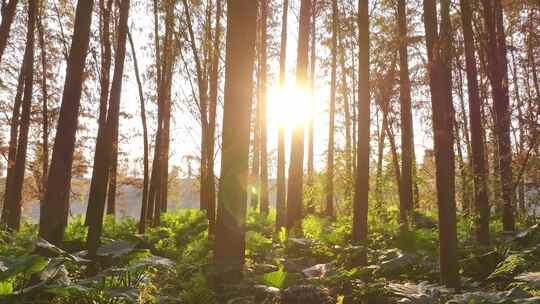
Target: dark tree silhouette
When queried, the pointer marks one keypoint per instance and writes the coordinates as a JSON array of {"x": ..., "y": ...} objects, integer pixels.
[
  {"x": 105, "y": 145},
  {"x": 281, "y": 185},
  {"x": 477, "y": 142},
  {"x": 11, "y": 216},
  {"x": 440, "y": 83},
  {"x": 296, "y": 165},
  {"x": 232, "y": 196},
  {"x": 54, "y": 209}
]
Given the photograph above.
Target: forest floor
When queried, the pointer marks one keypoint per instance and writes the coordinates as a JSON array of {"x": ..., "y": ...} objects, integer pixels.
[{"x": 173, "y": 264}]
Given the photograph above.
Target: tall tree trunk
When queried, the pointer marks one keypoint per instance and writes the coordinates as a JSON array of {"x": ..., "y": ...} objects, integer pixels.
[
  {"x": 54, "y": 209},
  {"x": 8, "y": 13},
  {"x": 281, "y": 191},
  {"x": 329, "y": 210},
  {"x": 13, "y": 140},
  {"x": 45, "y": 108},
  {"x": 312, "y": 64},
  {"x": 168, "y": 64},
  {"x": 12, "y": 207},
  {"x": 346, "y": 112},
  {"x": 105, "y": 7},
  {"x": 360, "y": 203},
  {"x": 481, "y": 202},
  {"x": 407, "y": 136},
  {"x": 144, "y": 202},
  {"x": 104, "y": 145},
  {"x": 232, "y": 195},
  {"x": 498, "y": 77},
  {"x": 296, "y": 171},
  {"x": 263, "y": 121},
  {"x": 214, "y": 79},
  {"x": 202, "y": 84},
  {"x": 440, "y": 82}
]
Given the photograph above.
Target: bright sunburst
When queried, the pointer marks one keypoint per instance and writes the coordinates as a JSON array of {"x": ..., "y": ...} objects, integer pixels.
[{"x": 288, "y": 106}]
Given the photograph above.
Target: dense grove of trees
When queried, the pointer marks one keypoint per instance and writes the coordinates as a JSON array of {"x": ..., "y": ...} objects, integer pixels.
[{"x": 457, "y": 78}]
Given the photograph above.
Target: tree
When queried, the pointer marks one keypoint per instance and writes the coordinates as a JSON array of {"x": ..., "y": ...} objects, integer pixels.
[
  {"x": 440, "y": 84},
  {"x": 144, "y": 202},
  {"x": 360, "y": 203},
  {"x": 407, "y": 137},
  {"x": 281, "y": 191},
  {"x": 45, "y": 102},
  {"x": 11, "y": 216},
  {"x": 296, "y": 172},
  {"x": 497, "y": 71},
  {"x": 214, "y": 82},
  {"x": 232, "y": 195},
  {"x": 8, "y": 13},
  {"x": 477, "y": 142},
  {"x": 104, "y": 145},
  {"x": 329, "y": 211},
  {"x": 105, "y": 16},
  {"x": 54, "y": 209},
  {"x": 264, "y": 202}
]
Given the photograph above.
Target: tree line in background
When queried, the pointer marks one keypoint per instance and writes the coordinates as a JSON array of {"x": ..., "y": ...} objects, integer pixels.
[{"x": 386, "y": 59}]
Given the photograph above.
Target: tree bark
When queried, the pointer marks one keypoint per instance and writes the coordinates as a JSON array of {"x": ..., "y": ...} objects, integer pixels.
[
  {"x": 264, "y": 208},
  {"x": 105, "y": 39},
  {"x": 360, "y": 203},
  {"x": 232, "y": 195},
  {"x": 104, "y": 145},
  {"x": 45, "y": 108},
  {"x": 498, "y": 77},
  {"x": 481, "y": 202},
  {"x": 12, "y": 208},
  {"x": 281, "y": 190},
  {"x": 329, "y": 210},
  {"x": 214, "y": 83},
  {"x": 407, "y": 136},
  {"x": 144, "y": 202},
  {"x": 440, "y": 82},
  {"x": 296, "y": 171},
  {"x": 52, "y": 222},
  {"x": 8, "y": 13},
  {"x": 312, "y": 64}
]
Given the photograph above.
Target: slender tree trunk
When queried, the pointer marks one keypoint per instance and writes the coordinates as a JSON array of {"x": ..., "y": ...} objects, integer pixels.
[
  {"x": 13, "y": 140},
  {"x": 214, "y": 79},
  {"x": 52, "y": 222},
  {"x": 8, "y": 13},
  {"x": 481, "y": 202},
  {"x": 407, "y": 135},
  {"x": 230, "y": 226},
  {"x": 104, "y": 145},
  {"x": 360, "y": 203},
  {"x": 346, "y": 112},
  {"x": 105, "y": 22},
  {"x": 264, "y": 150},
  {"x": 329, "y": 210},
  {"x": 296, "y": 171},
  {"x": 438, "y": 49},
  {"x": 395, "y": 156},
  {"x": 203, "y": 106},
  {"x": 168, "y": 64},
  {"x": 255, "y": 169},
  {"x": 45, "y": 109},
  {"x": 13, "y": 204},
  {"x": 144, "y": 202},
  {"x": 312, "y": 64},
  {"x": 281, "y": 191},
  {"x": 498, "y": 76}
]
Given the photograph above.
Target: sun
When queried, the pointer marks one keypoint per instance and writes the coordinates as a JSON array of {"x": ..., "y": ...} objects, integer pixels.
[{"x": 288, "y": 106}]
